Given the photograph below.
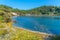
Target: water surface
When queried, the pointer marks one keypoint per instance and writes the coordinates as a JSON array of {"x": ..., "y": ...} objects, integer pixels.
[{"x": 41, "y": 24}]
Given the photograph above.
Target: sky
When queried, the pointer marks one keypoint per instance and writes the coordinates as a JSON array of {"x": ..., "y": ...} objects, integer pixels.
[{"x": 29, "y": 4}]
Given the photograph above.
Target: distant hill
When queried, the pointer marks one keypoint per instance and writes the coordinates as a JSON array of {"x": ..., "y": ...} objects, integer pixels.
[
  {"x": 43, "y": 10},
  {"x": 46, "y": 10}
]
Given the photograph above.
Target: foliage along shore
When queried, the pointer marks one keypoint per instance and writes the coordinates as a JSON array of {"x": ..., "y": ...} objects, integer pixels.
[
  {"x": 8, "y": 32},
  {"x": 43, "y": 10}
]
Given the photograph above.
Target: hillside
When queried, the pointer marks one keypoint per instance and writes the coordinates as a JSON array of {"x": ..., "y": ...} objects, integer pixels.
[
  {"x": 13, "y": 33},
  {"x": 43, "y": 10},
  {"x": 8, "y": 32},
  {"x": 46, "y": 10}
]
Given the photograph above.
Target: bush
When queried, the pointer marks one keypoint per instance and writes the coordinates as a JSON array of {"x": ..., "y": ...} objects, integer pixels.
[{"x": 55, "y": 38}]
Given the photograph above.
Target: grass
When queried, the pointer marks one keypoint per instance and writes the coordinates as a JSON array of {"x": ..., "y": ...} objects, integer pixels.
[{"x": 14, "y": 33}]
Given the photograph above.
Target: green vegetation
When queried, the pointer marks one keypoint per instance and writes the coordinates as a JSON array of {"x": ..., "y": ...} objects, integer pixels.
[
  {"x": 43, "y": 10},
  {"x": 14, "y": 33},
  {"x": 3, "y": 32},
  {"x": 5, "y": 12},
  {"x": 8, "y": 32},
  {"x": 57, "y": 37}
]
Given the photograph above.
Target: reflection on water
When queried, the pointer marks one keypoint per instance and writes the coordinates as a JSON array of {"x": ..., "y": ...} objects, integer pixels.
[{"x": 41, "y": 24}]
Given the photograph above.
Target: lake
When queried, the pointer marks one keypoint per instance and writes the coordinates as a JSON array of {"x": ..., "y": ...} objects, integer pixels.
[{"x": 40, "y": 24}]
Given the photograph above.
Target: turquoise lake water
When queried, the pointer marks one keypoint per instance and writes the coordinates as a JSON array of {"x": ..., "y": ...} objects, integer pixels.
[{"x": 40, "y": 24}]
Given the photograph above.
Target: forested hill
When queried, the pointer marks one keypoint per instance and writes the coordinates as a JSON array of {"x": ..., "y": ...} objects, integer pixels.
[
  {"x": 46, "y": 10},
  {"x": 43, "y": 10}
]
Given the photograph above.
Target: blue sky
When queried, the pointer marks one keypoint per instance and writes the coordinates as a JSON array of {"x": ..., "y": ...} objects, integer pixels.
[{"x": 29, "y": 4}]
